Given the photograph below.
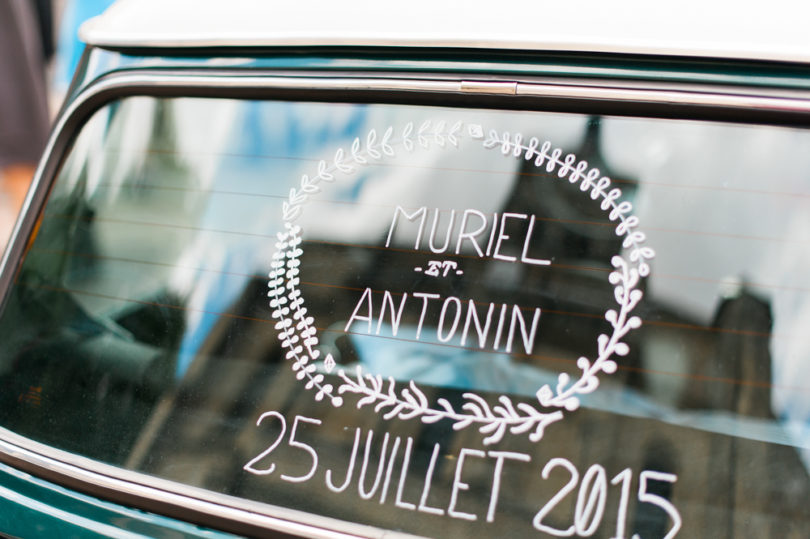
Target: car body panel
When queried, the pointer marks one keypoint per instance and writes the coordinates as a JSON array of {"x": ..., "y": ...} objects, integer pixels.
[
  {"x": 30, "y": 506},
  {"x": 626, "y": 78}
]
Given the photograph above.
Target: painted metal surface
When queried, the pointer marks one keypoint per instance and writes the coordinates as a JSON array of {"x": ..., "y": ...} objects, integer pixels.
[
  {"x": 184, "y": 502},
  {"x": 721, "y": 29},
  {"x": 33, "y": 507}
]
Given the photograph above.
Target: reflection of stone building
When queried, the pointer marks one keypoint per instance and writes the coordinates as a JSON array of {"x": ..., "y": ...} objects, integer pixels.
[
  {"x": 727, "y": 486},
  {"x": 740, "y": 357},
  {"x": 690, "y": 400},
  {"x": 713, "y": 429}
]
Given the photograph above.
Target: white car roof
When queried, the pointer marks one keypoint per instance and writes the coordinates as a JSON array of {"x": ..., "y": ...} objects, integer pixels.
[{"x": 734, "y": 29}]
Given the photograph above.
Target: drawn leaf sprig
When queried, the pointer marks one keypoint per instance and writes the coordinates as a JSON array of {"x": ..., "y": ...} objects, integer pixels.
[{"x": 410, "y": 402}]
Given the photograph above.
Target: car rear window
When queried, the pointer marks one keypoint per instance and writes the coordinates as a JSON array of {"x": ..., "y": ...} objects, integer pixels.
[{"x": 438, "y": 321}]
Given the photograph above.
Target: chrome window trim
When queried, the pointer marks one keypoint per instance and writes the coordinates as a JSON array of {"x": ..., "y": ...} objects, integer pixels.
[
  {"x": 250, "y": 515},
  {"x": 213, "y": 509}
]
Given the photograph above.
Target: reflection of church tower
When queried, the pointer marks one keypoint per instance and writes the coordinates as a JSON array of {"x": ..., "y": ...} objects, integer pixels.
[
  {"x": 736, "y": 381},
  {"x": 576, "y": 234},
  {"x": 741, "y": 362},
  {"x": 571, "y": 224}
]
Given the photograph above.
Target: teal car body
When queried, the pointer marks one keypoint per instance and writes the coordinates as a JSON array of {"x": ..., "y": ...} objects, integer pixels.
[{"x": 54, "y": 482}]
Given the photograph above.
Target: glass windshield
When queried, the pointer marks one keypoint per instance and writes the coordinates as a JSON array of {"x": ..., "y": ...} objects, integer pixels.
[{"x": 417, "y": 318}]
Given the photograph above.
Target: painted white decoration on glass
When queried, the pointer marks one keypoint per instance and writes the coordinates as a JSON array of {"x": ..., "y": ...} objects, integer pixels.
[{"x": 299, "y": 337}]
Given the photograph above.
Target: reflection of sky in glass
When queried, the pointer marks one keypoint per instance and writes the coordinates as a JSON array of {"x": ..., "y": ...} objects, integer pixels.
[
  {"x": 261, "y": 129},
  {"x": 758, "y": 211},
  {"x": 743, "y": 188}
]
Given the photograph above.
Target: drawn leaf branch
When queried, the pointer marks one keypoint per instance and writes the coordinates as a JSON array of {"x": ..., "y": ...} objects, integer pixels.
[{"x": 410, "y": 402}]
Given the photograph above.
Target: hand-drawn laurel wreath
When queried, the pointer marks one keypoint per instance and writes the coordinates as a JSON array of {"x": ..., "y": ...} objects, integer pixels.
[{"x": 299, "y": 337}]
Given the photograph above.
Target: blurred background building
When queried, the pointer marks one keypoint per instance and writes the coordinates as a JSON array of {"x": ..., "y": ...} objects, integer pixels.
[{"x": 39, "y": 50}]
